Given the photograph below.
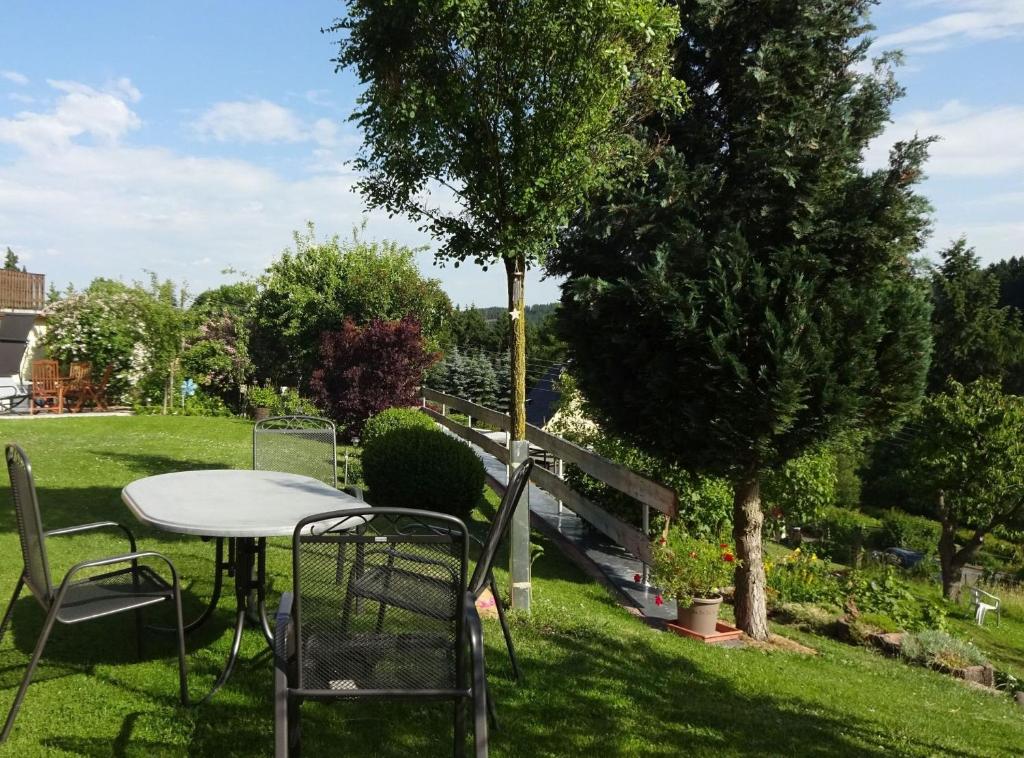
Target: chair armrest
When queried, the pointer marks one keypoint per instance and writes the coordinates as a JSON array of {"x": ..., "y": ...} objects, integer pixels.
[
  {"x": 126, "y": 558},
  {"x": 282, "y": 622},
  {"x": 96, "y": 525},
  {"x": 987, "y": 595}
]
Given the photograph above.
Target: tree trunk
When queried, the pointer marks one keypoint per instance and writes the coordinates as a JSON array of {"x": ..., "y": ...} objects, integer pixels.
[
  {"x": 750, "y": 597},
  {"x": 515, "y": 270},
  {"x": 948, "y": 562}
]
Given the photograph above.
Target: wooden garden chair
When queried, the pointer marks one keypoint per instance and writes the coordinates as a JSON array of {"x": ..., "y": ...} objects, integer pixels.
[
  {"x": 98, "y": 390},
  {"x": 47, "y": 387},
  {"x": 77, "y": 387}
]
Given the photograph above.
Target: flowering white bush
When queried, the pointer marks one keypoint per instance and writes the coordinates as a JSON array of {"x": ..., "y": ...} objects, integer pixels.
[{"x": 106, "y": 325}]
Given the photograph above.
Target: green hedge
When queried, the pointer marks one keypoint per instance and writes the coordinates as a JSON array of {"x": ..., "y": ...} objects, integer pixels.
[
  {"x": 411, "y": 467},
  {"x": 918, "y": 533},
  {"x": 846, "y": 533},
  {"x": 394, "y": 418}
]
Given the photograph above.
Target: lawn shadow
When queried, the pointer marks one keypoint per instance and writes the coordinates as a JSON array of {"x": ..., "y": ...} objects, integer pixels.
[
  {"x": 151, "y": 464},
  {"x": 582, "y": 695},
  {"x": 123, "y": 746}
]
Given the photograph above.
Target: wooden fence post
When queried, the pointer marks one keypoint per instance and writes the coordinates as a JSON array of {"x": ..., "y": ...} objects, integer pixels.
[{"x": 519, "y": 553}]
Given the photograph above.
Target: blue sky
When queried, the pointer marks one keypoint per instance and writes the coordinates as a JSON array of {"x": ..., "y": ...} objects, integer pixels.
[{"x": 187, "y": 137}]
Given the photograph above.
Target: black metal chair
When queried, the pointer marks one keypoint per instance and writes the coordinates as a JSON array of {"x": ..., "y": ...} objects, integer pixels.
[
  {"x": 82, "y": 595},
  {"x": 303, "y": 445},
  {"x": 483, "y": 573},
  {"x": 408, "y": 639}
]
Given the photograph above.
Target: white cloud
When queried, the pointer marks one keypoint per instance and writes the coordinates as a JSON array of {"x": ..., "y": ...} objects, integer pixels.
[
  {"x": 104, "y": 208},
  {"x": 80, "y": 110},
  {"x": 324, "y": 132},
  {"x": 250, "y": 121},
  {"x": 964, "y": 20},
  {"x": 973, "y": 142},
  {"x": 15, "y": 77},
  {"x": 261, "y": 121},
  {"x": 20, "y": 98}
]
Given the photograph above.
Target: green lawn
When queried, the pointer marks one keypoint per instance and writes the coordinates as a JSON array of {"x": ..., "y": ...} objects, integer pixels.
[{"x": 598, "y": 682}]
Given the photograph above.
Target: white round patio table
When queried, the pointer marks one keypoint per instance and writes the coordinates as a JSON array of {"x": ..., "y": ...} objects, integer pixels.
[{"x": 244, "y": 507}]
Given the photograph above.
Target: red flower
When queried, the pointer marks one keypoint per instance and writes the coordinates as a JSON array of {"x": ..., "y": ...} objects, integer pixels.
[
  {"x": 723, "y": 546},
  {"x": 636, "y": 578},
  {"x": 661, "y": 541},
  {"x": 728, "y": 558},
  {"x": 658, "y": 600}
]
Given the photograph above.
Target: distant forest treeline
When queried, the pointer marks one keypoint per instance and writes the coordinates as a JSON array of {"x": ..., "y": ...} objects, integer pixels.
[{"x": 535, "y": 314}]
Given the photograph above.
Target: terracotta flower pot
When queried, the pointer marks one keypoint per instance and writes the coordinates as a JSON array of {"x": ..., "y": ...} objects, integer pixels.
[{"x": 702, "y": 616}]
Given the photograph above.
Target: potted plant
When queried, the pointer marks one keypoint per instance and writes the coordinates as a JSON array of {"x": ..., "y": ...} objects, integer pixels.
[
  {"x": 263, "y": 401},
  {"x": 693, "y": 572}
]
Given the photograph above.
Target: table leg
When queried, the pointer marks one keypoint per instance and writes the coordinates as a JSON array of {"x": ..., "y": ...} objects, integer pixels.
[
  {"x": 219, "y": 568},
  {"x": 250, "y": 579}
]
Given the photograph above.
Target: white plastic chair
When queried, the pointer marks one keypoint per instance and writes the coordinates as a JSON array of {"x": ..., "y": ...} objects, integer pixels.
[{"x": 981, "y": 603}]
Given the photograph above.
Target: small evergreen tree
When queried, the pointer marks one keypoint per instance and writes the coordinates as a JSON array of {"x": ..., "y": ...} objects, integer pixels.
[
  {"x": 11, "y": 260},
  {"x": 974, "y": 335}
]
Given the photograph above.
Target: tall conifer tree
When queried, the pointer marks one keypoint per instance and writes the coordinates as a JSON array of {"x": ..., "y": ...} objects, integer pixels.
[{"x": 754, "y": 294}]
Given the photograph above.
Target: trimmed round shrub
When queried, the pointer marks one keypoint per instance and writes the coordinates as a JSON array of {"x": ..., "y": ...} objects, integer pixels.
[
  {"x": 411, "y": 467},
  {"x": 394, "y": 418}
]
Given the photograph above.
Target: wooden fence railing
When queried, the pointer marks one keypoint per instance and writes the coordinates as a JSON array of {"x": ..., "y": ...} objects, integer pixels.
[
  {"x": 648, "y": 493},
  {"x": 22, "y": 291}
]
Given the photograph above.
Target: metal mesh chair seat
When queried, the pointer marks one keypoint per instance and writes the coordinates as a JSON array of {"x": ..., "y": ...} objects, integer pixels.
[
  {"x": 113, "y": 592},
  {"x": 371, "y": 661}
]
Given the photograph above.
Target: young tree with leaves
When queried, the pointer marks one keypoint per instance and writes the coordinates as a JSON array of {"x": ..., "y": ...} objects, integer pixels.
[
  {"x": 312, "y": 289},
  {"x": 513, "y": 112},
  {"x": 968, "y": 458},
  {"x": 754, "y": 295}
]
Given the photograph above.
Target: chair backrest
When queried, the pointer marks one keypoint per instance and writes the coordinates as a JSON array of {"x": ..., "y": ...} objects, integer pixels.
[
  {"x": 30, "y": 525},
  {"x": 304, "y": 445},
  {"x": 979, "y": 595},
  {"x": 101, "y": 385},
  {"x": 513, "y": 492},
  {"x": 45, "y": 376},
  {"x": 379, "y": 601},
  {"x": 80, "y": 371}
]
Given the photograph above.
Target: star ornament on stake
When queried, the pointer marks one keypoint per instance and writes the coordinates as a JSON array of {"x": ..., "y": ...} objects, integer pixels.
[{"x": 513, "y": 315}]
